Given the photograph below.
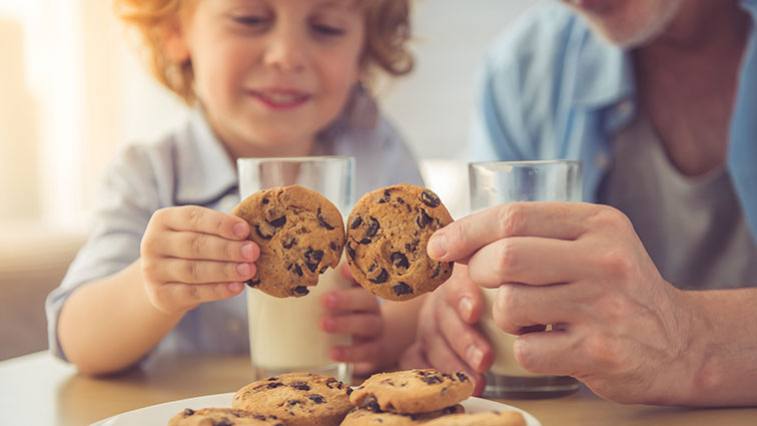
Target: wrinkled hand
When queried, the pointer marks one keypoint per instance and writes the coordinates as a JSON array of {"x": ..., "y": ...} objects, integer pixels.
[
  {"x": 356, "y": 312},
  {"x": 192, "y": 255},
  {"x": 621, "y": 328},
  {"x": 447, "y": 338}
]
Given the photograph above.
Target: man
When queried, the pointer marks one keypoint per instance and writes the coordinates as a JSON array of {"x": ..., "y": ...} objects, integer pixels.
[{"x": 658, "y": 99}]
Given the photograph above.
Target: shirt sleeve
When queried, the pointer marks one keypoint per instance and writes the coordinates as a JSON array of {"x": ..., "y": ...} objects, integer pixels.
[{"x": 126, "y": 202}]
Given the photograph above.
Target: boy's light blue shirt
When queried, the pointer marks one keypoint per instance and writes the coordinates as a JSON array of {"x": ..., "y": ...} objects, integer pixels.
[
  {"x": 552, "y": 88},
  {"x": 191, "y": 167}
]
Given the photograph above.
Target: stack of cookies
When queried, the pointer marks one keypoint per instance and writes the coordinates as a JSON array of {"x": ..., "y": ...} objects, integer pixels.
[{"x": 411, "y": 397}]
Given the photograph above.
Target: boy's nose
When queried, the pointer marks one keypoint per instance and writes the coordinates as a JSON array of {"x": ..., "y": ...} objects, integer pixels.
[{"x": 285, "y": 51}]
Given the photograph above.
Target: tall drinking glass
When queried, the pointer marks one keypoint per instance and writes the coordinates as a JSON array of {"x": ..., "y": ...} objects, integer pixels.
[
  {"x": 284, "y": 333},
  {"x": 501, "y": 182}
]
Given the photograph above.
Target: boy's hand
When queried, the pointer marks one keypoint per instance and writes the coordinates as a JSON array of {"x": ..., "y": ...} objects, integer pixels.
[
  {"x": 356, "y": 312},
  {"x": 192, "y": 255}
]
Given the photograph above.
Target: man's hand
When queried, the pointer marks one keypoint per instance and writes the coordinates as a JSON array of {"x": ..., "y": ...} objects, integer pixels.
[{"x": 619, "y": 327}]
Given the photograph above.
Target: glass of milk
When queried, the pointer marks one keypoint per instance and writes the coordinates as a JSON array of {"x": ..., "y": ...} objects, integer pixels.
[
  {"x": 285, "y": 334},
  {"x": 494, "y": 183}
]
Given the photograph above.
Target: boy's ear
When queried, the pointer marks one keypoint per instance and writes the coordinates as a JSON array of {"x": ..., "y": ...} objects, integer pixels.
[{"x": 175, "y": 42}]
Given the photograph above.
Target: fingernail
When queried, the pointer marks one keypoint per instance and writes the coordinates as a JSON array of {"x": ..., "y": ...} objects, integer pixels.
[
  {"x": 235, "y": 287},
  {"x": 240, "y": 230},
  {"x": 247, "y": 251},
  {"x": 243, "y": 269},
  {"x": 474, "y": 356},
  {"x": 466, "y": 308},
  {"x": 437, "y": 246},
  {"x": 330, "y": 300}
]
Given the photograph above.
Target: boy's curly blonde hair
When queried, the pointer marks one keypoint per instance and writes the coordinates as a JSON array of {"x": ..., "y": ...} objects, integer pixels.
[{"x": 386, "y": 42}]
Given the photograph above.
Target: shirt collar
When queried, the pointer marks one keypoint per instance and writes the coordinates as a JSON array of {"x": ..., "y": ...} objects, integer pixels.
[
  {"x": 606, "y": 76},
  {"x": 204, "y": 170}
]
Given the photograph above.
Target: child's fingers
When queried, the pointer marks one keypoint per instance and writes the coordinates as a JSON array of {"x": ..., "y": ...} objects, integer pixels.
[
  {"x": 369, "y": 351},
  {"x": 197, "y": 246},
  {"x": 182, "y": 295},
  {"x": 360, "y": 325},
  {"x": 197, "y": 271},
  {"x": 204, "y": 220},
  {"x": 350, "y": 300}
]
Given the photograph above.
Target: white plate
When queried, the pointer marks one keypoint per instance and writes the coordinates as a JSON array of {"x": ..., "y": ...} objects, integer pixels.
[{"x": 158, "y": 415}]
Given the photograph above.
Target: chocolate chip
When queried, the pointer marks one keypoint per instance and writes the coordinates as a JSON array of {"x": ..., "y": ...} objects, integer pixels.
[
  {"x": 252, "y": 283},
  {"x": 301, "y": 290},
  {"x": 223, "y": 422},
  {"x": 350, "y": 251},
  {"x": 313, "y": 258},
  {"x": 373, "y": 406},
  {"x": 412, "y": 247},
  {"x": 461, "y": 376},
  {"x": 382, "y": 277},
  {"x": 322, "y": 221},
  {"x": 365, "y": 241},
  {"x": 323, "y": 269},
  {"x": 279, "y": 222},
  {"x": 437, "y": 270},
  {"x": 188, "y": 411},
  {"x": 423, "y": 219},
  {"x": 261, "y": 234},
  {"x": 318, "y": 399},
  {"x": 387, "y": 196},
  {"x": 333, "y": 246},
  {"x": 274, "y": 385},
  {"x": 332, "y": 383},
  {"x": 402, "y": 288},
  {"x": 295, "y": 268},
  {"x": 289, "y": 243},
  {"x": 300, "y": 386},
  {"x": 430, "y": 199},
  {"x": 265, "y": 201},
  {"x": 431, "y": 379},
  {"x": 293, "y": 402},
  {"x": 357, "y": 222},
  {"x": 373, "y": 228},
  {"x": 399, "y": 260}
]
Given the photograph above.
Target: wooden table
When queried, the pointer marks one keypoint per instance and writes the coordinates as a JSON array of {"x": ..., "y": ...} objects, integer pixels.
[{"x": 40, "y": 390}]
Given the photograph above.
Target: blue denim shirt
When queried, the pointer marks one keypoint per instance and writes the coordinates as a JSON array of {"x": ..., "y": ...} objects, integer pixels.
[{"x": 551, "y": 88}]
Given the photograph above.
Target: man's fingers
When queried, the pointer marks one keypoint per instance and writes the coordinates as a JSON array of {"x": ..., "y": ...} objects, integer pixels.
[
  {"x": 203, "y": 220},
  {"x": 464, "y": 295},
  {"x": 414, "y": 357},
  {"x": 528, "y": 260},
  {"x": 550, "y": 353},
  {"x": 466, "y": 341},
  {"x": 460, "y": 239}
]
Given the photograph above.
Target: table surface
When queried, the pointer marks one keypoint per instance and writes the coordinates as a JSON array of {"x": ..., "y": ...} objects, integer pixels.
[{"x": 37, "y": 389}]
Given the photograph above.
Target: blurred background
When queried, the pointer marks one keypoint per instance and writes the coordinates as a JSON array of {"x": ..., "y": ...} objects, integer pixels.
[{"x": 72, "y": 90}]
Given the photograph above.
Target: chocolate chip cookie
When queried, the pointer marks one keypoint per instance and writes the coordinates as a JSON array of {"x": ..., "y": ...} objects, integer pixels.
[
  {"x": 300, "y": 234},
  {"x": 387, "y": 233},
  {"x": 504, "y": 418},
  {"x": 367, "y": 416},
  {"x": 412, "y": 391},
  {"x": 222, "y": 417},
  {"x": 298, "y": 399}
]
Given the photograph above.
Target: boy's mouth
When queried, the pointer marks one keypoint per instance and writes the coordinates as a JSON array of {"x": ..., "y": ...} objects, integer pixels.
[{"x": 280, "y": 98}]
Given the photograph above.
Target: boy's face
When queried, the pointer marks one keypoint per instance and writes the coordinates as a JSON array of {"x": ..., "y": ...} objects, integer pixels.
[
  {"x": 272, "y": 73},
  {"x": 628, "y": 23}
]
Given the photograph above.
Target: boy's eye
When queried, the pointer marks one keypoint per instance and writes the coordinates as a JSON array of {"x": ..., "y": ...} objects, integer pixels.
[
  {"x": 328, "y": 30},
  {"x": 250, "y": 21}
]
